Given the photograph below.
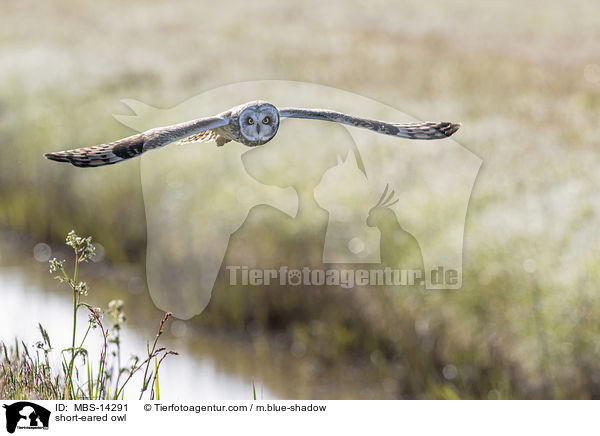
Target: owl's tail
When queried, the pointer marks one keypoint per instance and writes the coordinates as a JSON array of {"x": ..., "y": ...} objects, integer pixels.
[
  {"x": 103, "y": 154},
  {"x": 428, "y": 130}
]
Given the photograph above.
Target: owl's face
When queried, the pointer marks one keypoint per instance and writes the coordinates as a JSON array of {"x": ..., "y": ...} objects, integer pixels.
[{"x": 258, "y": 123}]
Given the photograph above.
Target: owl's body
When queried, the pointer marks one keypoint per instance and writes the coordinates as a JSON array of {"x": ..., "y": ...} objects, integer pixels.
[{"x": 252, "y": 124}]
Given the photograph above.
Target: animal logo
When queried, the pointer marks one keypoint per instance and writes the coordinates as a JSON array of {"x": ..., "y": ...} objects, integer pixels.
[
  {"x": 276, "y": 166},
  {"x": 24, "y": 414}
]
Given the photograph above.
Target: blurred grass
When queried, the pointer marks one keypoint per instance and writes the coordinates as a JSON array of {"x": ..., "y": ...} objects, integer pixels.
[
  {"x": 513, "y": 73},
  {"x": 25, "y": 376}
]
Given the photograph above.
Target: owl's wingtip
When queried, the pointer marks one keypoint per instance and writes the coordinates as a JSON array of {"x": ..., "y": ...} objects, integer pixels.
[
  {"x": 57, "y": 157},
  {"x": 452, "y": 128}
]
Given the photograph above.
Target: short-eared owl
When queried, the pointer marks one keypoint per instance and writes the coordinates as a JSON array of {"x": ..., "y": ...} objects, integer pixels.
[{"x": 251, "y": 124}]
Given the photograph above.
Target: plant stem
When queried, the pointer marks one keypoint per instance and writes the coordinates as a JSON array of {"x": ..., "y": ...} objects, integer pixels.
[{"x": 75, "y": 306}]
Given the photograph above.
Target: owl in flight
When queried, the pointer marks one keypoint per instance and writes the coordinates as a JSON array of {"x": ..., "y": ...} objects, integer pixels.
[{"x": 254, "y": 123}]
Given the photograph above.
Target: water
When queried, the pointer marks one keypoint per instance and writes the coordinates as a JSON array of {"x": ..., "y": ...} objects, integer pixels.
[{"x": 187, "y": 376}]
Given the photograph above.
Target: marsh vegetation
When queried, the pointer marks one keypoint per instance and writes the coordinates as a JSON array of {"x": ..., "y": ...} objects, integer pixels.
[{"x": 522, "y": 78}]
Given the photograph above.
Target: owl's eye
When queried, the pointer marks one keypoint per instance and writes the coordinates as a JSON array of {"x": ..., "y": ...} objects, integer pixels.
[
  {"x": 250, "y": 121},
  {"x": 266, "y": 120}
]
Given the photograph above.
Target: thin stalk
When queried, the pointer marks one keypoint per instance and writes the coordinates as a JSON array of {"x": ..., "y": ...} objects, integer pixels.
[
  {"x": 131, "y": 373},
  {"x": 150, "y": 353},
  {"x": 90, "y": 381},
  {"x": 73, "y": 284},
  {"x": 157, "y": 392}
]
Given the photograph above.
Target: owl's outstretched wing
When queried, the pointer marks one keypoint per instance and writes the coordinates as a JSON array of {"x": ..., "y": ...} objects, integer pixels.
[
  {"x": 132, "y": 146},
  {"x": 426, "y": 130}
]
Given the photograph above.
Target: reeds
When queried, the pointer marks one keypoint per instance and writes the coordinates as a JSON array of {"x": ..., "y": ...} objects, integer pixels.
[{"x": 23, "y": 375}]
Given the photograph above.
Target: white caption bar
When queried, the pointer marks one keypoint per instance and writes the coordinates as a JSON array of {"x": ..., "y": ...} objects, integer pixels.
[{"x": 299, "y": 417}]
